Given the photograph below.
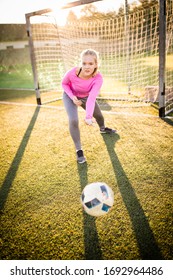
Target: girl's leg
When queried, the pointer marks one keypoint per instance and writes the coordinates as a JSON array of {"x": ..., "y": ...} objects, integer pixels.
[
  {"x": 72, "y": 113},
  {"x": 100, "y": 120},
  {"x": 98, "y": 116}
]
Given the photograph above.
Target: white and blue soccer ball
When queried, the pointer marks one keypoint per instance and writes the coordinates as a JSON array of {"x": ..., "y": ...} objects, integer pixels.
[{"x": 97, "y": 199}]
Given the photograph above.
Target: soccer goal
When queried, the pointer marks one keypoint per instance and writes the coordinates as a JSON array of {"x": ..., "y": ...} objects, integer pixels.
[{"x": 135, "y": 45}]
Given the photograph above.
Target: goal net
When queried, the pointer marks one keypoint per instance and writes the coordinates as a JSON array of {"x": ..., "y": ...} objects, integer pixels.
[{"x": 127, "y": 41}]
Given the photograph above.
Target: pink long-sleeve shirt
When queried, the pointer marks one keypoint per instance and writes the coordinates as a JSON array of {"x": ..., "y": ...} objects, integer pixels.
[{"x": 76, "y": 86}]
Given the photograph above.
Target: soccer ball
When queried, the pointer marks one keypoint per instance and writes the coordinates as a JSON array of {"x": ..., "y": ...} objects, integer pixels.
[{"x": 97, "y": 199}]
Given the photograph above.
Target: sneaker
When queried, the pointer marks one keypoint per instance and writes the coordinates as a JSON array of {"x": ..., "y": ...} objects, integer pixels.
[
  {"x": 107, "y": 130},
  {"x": 80, "y": 157}
]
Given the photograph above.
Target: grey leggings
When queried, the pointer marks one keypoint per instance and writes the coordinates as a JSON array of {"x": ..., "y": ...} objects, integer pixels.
[{"x": 72, "y": 112}]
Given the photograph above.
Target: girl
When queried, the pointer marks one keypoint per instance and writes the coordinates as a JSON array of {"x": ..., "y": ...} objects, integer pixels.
[{"x": 81, "y": 86}]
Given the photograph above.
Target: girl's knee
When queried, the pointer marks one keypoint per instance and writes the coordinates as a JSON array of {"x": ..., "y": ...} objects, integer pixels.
[{"x": 74, "y": 123}]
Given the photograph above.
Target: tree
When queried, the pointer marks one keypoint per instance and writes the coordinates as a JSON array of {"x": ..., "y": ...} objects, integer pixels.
[
  {"x": 89, "y": 10},
  {"x": 71, "y": 16}
]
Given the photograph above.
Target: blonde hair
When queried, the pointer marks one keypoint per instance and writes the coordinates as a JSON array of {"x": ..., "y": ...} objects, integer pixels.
[
  {"x": 93, "y": 53},
  {"x": 90, "y": 52}
]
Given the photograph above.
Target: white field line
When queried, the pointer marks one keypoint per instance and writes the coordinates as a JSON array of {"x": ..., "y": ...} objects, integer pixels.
[
  {"x": 62, "y": 108},
  {"x": 24, "y": 89}
]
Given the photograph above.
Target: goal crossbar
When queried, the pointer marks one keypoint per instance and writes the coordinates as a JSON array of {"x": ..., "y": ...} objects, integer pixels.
[{"x": 79, "y": 3}]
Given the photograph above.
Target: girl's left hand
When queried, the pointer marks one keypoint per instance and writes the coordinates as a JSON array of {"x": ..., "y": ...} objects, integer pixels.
[{"x": 89, "y": 121}]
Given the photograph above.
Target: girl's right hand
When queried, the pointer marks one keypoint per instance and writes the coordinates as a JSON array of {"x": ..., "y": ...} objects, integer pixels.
[{"x": 76, "y": 101}]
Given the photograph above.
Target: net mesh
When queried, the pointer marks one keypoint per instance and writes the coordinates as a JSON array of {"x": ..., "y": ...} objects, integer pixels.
[
  {"x": 47, "y": 55},
  {"x": 128, "y": 45}
]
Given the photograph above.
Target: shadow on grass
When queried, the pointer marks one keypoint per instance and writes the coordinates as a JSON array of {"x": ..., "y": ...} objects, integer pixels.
[
  {"x": 16, "y": 94},
  {"x": 5, "y": 188},
  {"x": 104, "y": 105},
  {"x": 147, "y": 244},
  {"x": 91, "y": 240},
  {"x": 168, "y": 121}
]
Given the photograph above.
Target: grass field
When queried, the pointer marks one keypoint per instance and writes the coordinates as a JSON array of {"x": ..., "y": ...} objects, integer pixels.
[{"x": 40, "y": 212}]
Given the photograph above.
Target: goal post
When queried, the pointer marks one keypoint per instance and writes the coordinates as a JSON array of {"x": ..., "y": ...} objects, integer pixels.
[
  {"x": 162, "y": 56},
  {"x": 32, "y": 51},
  {"x": 45, "y": 54},
  {"x": 135, "y": 47}
]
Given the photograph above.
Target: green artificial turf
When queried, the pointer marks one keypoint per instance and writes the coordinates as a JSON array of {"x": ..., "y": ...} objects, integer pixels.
[{"x": 40, "y": 212}]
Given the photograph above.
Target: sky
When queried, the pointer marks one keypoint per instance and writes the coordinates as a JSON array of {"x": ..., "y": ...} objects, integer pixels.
[{"x": 13, "y": 11}]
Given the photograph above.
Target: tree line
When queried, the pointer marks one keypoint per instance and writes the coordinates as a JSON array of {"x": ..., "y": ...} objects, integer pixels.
[{"x": 90, "y": 11}]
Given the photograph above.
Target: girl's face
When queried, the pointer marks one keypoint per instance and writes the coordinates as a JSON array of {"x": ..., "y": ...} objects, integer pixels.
[{"x": 88, "y": 65}]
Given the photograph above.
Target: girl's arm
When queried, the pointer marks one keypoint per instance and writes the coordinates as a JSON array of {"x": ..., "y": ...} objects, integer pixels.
[{"x": 90, "y": 104}]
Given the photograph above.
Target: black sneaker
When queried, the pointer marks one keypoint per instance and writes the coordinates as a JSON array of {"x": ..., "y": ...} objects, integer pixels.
[
  {"x": 80, "y": 157},
  {"x": 107, "y": 130}
]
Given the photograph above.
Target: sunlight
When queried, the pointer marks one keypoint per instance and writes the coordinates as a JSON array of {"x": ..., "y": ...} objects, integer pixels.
[
  {"x": 102, "y": 6},
  {"x": 60, "y": 15},
  {"x": 17, "y": 14}
]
